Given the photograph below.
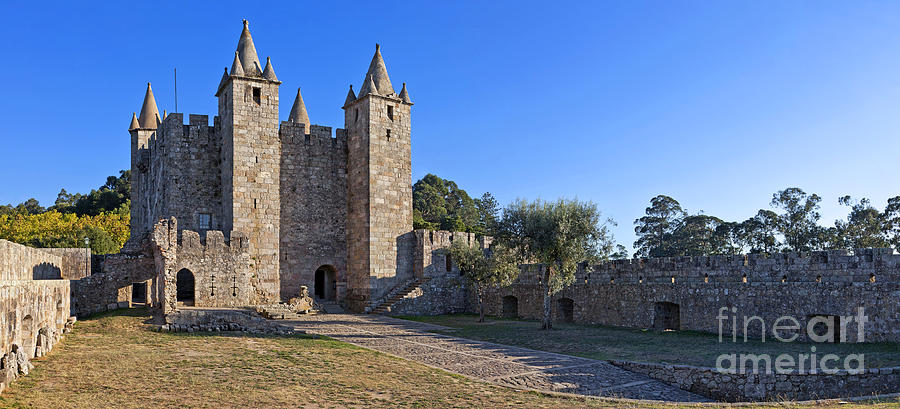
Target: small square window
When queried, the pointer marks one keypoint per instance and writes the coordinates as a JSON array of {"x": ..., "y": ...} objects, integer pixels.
[
  {"x": 204, "y": 221},
  {"x": 257, "y": 95}
]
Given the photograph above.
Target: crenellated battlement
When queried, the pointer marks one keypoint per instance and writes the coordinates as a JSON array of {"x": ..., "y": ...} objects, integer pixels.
[
  {"x": 835, "y": 266},
  {"x": 212, "y": 241},
  {"x": 319, "y": 137}
]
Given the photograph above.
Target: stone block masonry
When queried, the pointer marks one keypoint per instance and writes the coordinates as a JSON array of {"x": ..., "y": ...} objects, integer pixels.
[
  {"x": 691, "y": 292},
  {"x": 34, "y": 311}
]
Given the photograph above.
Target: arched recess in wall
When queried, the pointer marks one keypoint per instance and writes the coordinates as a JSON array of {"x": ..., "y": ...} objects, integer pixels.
[
  {"x": 566, "y": 309},
  {"x": 184, "y": 287},
  {"x": 325, "y": 285},
  {"x": 510, "y": 307}
]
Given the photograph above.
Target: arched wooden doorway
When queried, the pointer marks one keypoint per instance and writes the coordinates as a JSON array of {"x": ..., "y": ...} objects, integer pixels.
[
  {"x": 325, "y": 286},
  {"x": 184, "y": 287}
]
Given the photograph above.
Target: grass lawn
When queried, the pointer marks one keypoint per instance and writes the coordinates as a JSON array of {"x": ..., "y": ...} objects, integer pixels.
[
  {"x": 676, "y": 347},
  {"x": 114, "y": 360}
]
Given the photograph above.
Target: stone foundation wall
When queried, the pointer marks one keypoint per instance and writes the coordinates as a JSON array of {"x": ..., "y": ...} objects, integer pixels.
[
  {"x": 111, "y": 287},
  {"x": 221, "y": 319},
  {"x": 770, "y": 387},
  {"x": 34, "y": 313}
]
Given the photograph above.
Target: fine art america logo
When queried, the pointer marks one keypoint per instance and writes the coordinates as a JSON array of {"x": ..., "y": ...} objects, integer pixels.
[{"x": 818, "y": 328}]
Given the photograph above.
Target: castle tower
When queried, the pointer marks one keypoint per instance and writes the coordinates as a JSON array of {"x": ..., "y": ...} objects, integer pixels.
[
  {"x": 248, "y": 126},
  {"x": 142, "y": 129},
  {"x": 379, "y": 210}
]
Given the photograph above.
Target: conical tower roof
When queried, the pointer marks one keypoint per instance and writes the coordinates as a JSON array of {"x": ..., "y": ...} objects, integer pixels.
[
  {"x": 269, "y": 72},
  {"x": 247, "y": 52},
  {"x": 350, "y": 96},
  {"x": 368, "y": 87},
  {"x": 134, "y": 122},
  {"x": 149, "y": 112},
  {"x": 378, "y": 73},
  {"x": 298, "y": 111},
  {"x": 236, "y": 67},
  {"x": 404, "y": 95}
]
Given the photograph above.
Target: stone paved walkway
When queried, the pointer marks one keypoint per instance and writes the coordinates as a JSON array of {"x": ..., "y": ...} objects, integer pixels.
[{"x": 504, "y": 365}]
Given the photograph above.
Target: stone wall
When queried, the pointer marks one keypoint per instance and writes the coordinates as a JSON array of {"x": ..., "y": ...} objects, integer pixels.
[
  {"x": 770, "y": 387},
  {"x": 313, "y": 207},
  {"x": 629, "y": 293},
  {"x": 76, "y": 262},
  {"x": 111, "y": 287},
  {"x": 33, "y": 312}
]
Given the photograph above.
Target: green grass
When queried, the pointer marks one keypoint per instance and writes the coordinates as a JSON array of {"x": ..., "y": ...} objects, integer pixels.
[{"x": 675, "y": 347}]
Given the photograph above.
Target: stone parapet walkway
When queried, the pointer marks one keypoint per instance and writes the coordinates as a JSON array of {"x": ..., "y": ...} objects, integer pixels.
[{"x": 514, "y": 367}]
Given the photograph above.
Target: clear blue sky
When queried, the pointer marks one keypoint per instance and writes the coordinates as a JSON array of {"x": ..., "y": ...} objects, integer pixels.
[{"x": 718, "y": 104}]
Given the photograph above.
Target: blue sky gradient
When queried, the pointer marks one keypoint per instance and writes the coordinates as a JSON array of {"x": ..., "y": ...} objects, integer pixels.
[{"x": 718, "y": 104}]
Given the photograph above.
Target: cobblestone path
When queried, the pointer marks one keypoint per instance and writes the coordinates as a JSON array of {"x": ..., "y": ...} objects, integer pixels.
[{"x": 500, "y": 364}]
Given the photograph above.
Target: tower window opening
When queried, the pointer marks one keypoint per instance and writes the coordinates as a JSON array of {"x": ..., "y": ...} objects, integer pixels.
[
  {"x": 389, "y": 134},
  {"x": 254, "y": 203},
  {"x": 390, "y": 109},
  {"x": 356, "y": 114},
  {"x": 204, "y": 221},
  {"x": 257, "y": 95}
]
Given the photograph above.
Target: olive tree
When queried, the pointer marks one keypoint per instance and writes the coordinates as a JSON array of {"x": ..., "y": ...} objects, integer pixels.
[
  {"x": 559, "y": 235},
  {"x": 484, "y": 269}
]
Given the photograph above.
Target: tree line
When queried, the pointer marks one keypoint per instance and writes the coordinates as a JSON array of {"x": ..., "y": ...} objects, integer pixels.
[
  {"x": 101, "y": 217},
  {"x": 792, "y": 224}
]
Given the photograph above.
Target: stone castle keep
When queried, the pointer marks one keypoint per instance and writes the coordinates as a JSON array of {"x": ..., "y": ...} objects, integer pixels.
[{"x": 330, "y": 212}]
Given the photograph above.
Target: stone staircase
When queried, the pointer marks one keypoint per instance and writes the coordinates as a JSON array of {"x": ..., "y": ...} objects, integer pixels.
[{"x": 396, "y": 296}]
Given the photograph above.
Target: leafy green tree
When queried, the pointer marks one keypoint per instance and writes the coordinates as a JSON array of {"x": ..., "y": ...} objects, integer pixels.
[
  {"x": 558, "y": 235},
  {"x": 758, "y": 233},
  {"x": 654, "y": 231},
  {"x": 695, "y": 236},
  {"x": 484, "y": 269},
  {"x": 864, "y": 227},
  {"x": 30, "y": 206},
  {"x": 890, "y": 226},
  {"x": 727, "y": 237},
  {"x": 488, "y": 213},
  {"x": 799, "y": 222},
  {"x": 440, "y": 203}
]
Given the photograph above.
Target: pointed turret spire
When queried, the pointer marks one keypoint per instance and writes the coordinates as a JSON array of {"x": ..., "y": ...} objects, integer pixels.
[
  {"x": 298, "y": 111},
  {"x": 236, "y": 67},
  {"x": 378, "y": 73},
  {"x": 269, "y": 72},
  {"x": 149, "y": 112},
  {"x": 247, "y": 52},
  {"x": 134, "y": 122},
  {"x": 368, "y": 87},
  {"x": 350, "y": 96},
  {"x": 404, "y": 95}
]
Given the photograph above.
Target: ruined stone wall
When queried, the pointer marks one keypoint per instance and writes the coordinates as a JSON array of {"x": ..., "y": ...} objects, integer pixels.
[
  {"x": 627, "y": 292},
  {"x": 110, "y": 288},
  {"x": 443, "y": 290},
  {"x": 379, "y": 197},
  {"x": 220, "y": 268},
  {"x": 33, "y": 313},
  {"x": 76, "y": 262},
  {"x": 313, "y": 205}
]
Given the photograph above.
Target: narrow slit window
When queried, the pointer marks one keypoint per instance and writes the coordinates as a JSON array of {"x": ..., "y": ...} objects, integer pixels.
[
  {"x": 390, "y": 112},
  {"x": 388, "y": 134}
]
